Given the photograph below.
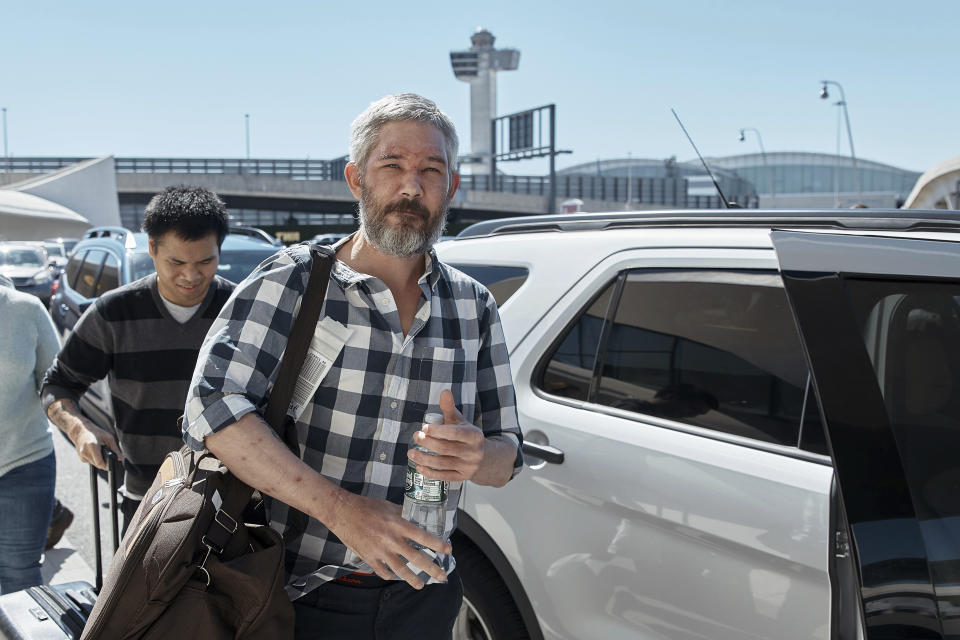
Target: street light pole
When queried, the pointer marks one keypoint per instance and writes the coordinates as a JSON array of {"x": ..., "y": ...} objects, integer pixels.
[
  {"x": 763, "y": 153},
  {"x": 6, "y": 156},
  {"x": 846, "y": 114},
  {"x": 246, "y": 118}
]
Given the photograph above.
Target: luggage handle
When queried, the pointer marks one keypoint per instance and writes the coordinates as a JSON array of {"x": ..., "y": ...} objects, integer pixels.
[{"x": 111, "y": 459}]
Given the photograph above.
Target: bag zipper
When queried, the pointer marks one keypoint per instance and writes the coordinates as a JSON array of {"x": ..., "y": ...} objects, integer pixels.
[{"x": 179, "y": 481}]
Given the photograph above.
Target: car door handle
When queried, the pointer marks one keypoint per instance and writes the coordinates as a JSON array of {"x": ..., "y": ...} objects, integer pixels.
[{"x": 545, "y": 453}]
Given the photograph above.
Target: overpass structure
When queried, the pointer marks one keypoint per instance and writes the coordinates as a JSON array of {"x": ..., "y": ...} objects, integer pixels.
[{"x": 302, "y": 197}]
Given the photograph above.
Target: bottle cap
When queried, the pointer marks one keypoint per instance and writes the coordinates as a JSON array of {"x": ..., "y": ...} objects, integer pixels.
[{"x": 433, "y": 418}]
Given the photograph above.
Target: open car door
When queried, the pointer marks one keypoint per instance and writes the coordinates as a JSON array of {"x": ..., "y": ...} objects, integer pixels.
[{"x": 879, "y": 317}]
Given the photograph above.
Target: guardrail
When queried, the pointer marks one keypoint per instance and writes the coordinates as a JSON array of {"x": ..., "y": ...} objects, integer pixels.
[{"x": 296, "y": 169}]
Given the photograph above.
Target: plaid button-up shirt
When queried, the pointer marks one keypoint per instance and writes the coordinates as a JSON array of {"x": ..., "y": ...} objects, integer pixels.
[{"x": 355, "y": 429}]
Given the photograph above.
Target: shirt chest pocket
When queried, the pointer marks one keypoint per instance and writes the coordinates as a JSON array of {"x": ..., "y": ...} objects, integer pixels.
[{"x": 437, "y": 368}]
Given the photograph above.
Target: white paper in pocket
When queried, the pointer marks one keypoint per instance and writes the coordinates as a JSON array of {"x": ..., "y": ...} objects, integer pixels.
[{"x": 327, "y": 343}]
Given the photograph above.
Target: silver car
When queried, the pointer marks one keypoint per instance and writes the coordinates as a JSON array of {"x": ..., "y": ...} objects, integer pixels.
[{"x": 26, "y": 264}]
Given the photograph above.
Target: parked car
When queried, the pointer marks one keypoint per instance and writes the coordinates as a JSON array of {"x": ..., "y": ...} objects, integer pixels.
[
  {"x": 108, "y": 257},
  {"x": 736, "y": 426},
  {"x": 58, "y": 252},
  {"x": 328, "y": 238},
  {"x": 26, "y": 264}
]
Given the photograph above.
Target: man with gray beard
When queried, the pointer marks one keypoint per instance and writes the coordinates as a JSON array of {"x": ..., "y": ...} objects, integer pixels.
[{"x": 401, "y": 335}]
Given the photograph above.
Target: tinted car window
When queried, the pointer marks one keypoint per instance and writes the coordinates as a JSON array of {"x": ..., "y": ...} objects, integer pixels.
[
  {"x": 569, "y": 368},
  {"x": 912, "y": 333},
  {"x": 502, "y": 282},
  {"x": 110, "y": 275},
  {"x": 86, "y": 282},
  {"x": 711, "y": 348},
  {"x": 73, "y": 268}
]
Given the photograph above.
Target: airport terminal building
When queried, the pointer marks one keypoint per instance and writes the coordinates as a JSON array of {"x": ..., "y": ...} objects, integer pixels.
[{"x": 777, "y": 180}]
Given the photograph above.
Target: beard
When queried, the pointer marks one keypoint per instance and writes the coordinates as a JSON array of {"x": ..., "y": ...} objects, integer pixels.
[{"x": 404, "y": 238}]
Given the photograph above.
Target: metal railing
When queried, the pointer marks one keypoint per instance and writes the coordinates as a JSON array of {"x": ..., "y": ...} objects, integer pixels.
[{"x": 295, "y": 169}]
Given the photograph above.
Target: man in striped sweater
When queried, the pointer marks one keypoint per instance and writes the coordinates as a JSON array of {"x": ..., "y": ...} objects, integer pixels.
[{"x": 144, "y": 336}]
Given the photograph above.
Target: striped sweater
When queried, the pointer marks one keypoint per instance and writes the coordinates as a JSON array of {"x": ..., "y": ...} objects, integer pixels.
[{"x": 129, "y": 335}]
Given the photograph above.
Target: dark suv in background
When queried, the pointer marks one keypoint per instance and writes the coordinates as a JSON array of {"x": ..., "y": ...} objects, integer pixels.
[{"x": 108, "y": 257}]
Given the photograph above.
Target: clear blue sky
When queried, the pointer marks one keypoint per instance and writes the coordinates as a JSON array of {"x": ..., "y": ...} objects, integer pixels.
[{"x": 174, "y": 78}]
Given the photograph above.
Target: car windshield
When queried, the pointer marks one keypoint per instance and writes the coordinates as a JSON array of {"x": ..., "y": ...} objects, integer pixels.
[
  {"x": 54, "y": 249},
  {"x": 22, "y": 257}
]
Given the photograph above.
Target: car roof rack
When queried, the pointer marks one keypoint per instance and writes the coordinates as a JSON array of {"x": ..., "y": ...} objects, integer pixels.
[
  {"x": 879, "y": 219},
  {"x": 121, "y": 235},
  {"x": 106, "y": 232}
]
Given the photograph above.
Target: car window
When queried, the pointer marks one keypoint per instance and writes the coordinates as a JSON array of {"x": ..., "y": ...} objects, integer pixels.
[
  {"x": 568, "y": 371},
  {"x": 109, "y": 276},
  {"x": 141, "y": 264},
  {"x": 73, "y": 268},
  {"x": 86, "y": 281},
  {"x": 715, "y": 349},
  {"x": 237, "y": 265},
  {"x": 911, "y": 331},
  {"x": 54, "y": 249},
  {"x": 502, "y": 282}
]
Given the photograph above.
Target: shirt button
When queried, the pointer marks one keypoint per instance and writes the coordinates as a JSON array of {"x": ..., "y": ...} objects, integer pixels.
[
  {"x": 393, "y": 405},
  {"x": 383, "y": 457}
]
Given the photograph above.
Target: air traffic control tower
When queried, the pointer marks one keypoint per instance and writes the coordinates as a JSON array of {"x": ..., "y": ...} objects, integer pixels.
[{"x": 478, "y": 66}]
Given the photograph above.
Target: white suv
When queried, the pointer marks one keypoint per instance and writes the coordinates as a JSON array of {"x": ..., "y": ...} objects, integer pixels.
[{"x": 696, "y": 467}]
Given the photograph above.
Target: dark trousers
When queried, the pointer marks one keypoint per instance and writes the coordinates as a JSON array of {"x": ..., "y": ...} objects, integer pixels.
[
  {"x": 395, "y": 612},
  {"x": 128, "y": 508}
]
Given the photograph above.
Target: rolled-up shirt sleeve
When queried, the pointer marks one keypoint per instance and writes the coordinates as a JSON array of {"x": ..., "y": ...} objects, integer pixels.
[
  {"x": 496, "y": 399},
  {"x": 240, "y": 357}
]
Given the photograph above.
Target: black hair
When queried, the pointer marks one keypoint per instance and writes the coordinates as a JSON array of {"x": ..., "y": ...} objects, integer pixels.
[{"x": 190, "y": 212}]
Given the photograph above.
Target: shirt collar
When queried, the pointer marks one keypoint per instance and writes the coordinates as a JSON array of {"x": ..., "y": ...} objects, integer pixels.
[{"x": 346, "y": 276}]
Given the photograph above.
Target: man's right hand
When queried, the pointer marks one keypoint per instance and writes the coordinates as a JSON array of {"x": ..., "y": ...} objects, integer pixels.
[
  {"x": 87, "y": 437},
  {"x": 374, "y": 530},
  {"x": 89, "y": 442}
]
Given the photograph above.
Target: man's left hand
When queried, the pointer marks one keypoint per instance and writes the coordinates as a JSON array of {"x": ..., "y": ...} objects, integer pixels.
[{"x": 459, "y": 445}]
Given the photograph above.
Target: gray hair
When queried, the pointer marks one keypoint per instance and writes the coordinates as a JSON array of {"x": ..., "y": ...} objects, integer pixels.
[{"x": 365, "y": 130}]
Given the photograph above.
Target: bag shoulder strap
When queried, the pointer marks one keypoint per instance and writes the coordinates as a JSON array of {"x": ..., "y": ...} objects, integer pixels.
[
  {"x": 238, "y": 495},
  {"x": 299, "y": 341}
]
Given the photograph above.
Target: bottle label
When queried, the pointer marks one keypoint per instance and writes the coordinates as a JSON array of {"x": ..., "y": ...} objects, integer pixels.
[{"x": 424, "y": 489}]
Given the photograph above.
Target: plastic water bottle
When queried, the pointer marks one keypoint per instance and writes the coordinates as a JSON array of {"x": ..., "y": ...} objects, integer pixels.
[{"x": 425, "y": 500}]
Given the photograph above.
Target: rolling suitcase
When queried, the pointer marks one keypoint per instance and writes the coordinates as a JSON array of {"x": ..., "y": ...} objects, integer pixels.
[{"x": 59, "y": 612}]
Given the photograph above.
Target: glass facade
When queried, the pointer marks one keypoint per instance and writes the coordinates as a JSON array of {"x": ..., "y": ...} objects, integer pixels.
[
  {"x": 789, "y": 173},
  {"x": 756, "y": 173}
]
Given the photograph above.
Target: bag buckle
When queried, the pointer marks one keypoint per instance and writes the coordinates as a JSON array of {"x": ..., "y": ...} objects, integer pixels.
[
  {"x": 232, "y": 527},
  {"x": 211, "y": 546}
]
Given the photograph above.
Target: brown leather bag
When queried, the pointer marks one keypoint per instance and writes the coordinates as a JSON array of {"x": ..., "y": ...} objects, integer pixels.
[{"x": 190, "y": 566}]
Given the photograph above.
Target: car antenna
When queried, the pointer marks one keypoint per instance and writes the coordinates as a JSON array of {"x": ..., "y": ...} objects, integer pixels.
[{"x": 726, "y": 205}]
